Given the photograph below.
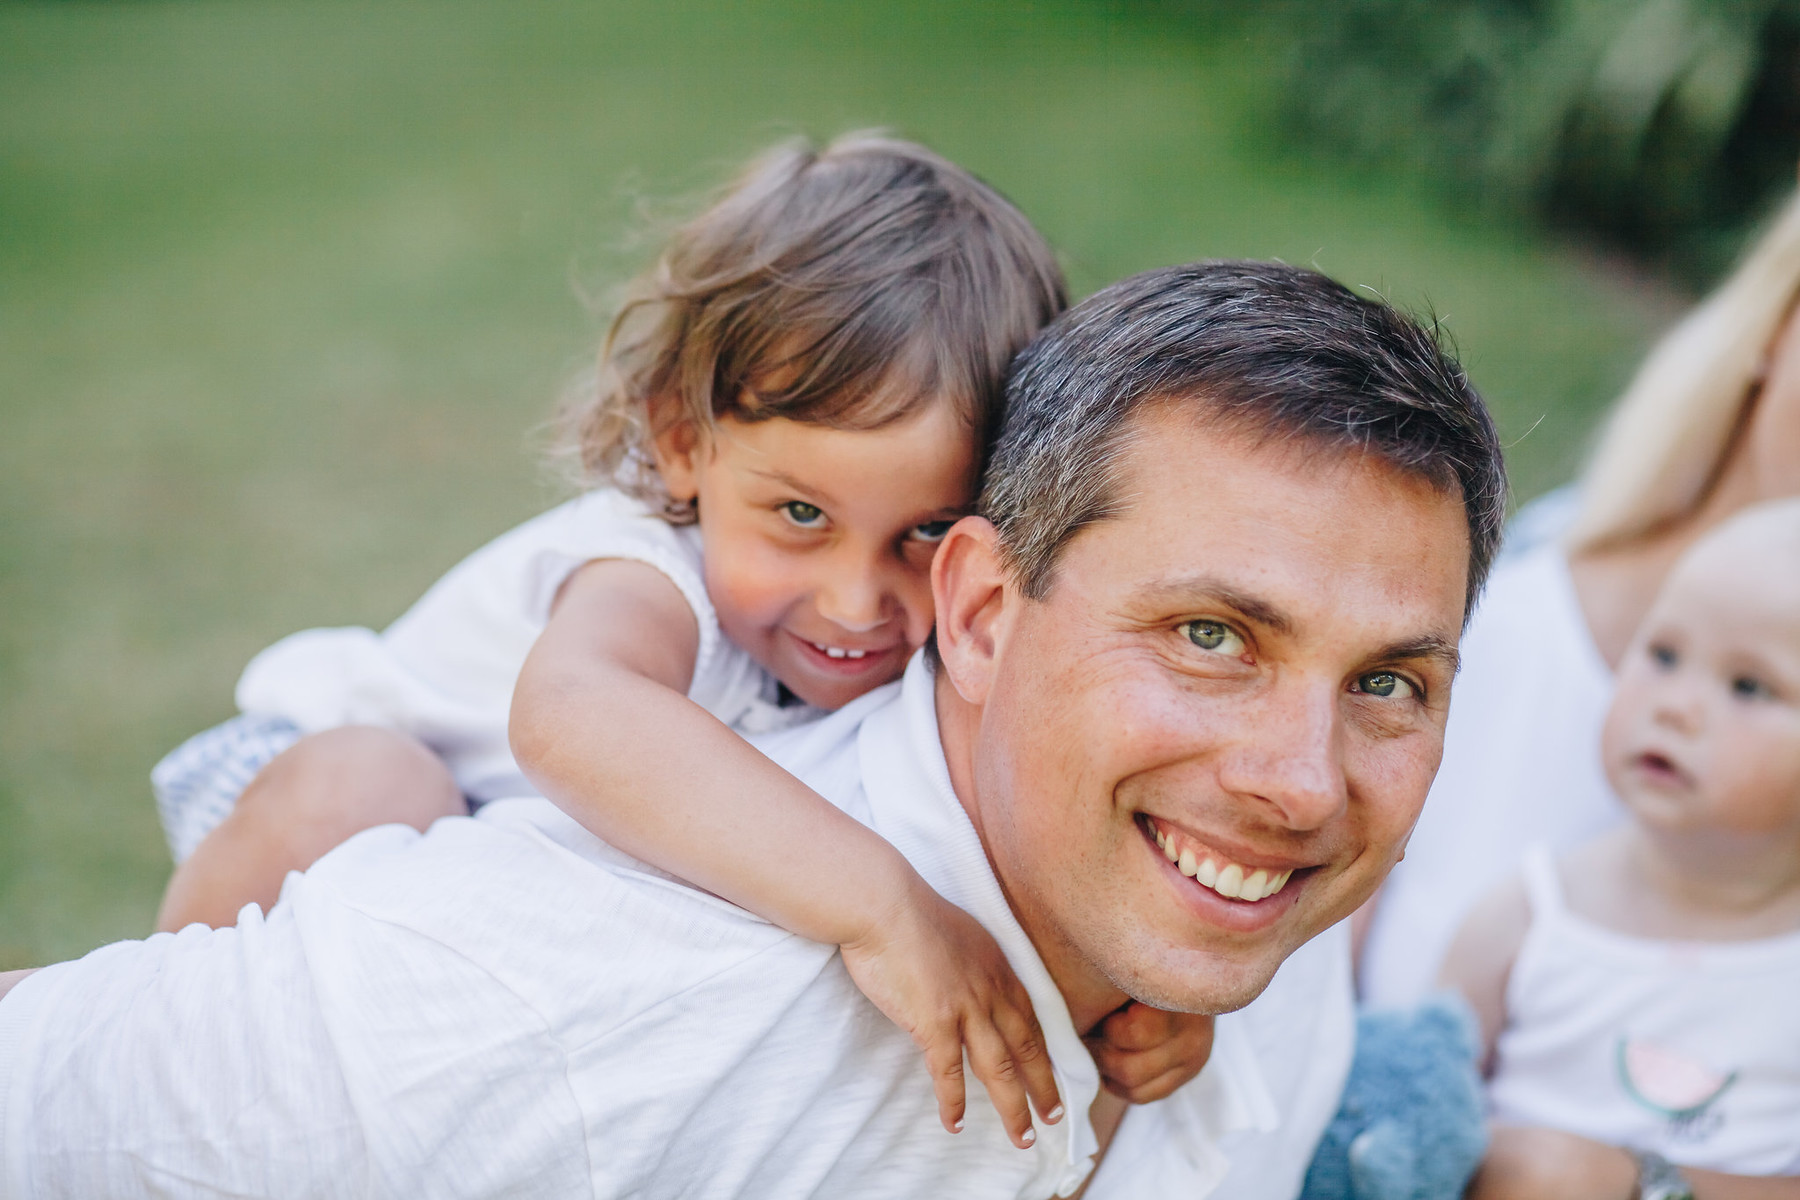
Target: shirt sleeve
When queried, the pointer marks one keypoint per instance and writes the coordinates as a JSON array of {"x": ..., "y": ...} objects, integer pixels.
[
  {"x": 192, "y": 1063},
  {"x": 322, "y": 1052}
]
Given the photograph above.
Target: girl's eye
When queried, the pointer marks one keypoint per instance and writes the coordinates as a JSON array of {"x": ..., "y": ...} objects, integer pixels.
[
  {"x": 1662, "y": 656},
  {"x": 1387, "y": 685},
  {"x": 931, "y": 531},
  {"x": 805, "y": 515},
  {"x": 1213, "y": 635},
  {"x": 1747, "y": 687}
]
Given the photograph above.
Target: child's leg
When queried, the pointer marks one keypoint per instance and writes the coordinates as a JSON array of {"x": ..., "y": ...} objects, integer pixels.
[{"x": 308, "y": 799}]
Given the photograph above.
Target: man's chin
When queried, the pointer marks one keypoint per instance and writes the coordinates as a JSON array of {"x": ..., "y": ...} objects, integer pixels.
[{"x": 1190, "y": 983}]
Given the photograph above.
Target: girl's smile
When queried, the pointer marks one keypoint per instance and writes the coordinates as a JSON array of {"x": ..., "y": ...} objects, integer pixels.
[{"x": 819, "y": 541}]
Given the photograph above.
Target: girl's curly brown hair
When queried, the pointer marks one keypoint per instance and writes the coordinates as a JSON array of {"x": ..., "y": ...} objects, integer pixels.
[{"x": 846, "y": 287}]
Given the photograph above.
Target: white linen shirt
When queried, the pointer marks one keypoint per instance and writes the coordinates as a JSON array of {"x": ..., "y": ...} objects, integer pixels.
[{"x": 506, "y": 1005}]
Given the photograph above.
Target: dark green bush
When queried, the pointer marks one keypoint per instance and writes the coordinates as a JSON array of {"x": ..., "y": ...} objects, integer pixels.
[{"x": 1664, "y": 125}]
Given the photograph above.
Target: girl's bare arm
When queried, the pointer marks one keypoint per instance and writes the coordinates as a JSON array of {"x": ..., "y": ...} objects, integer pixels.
[{"x": 601, "y": 723}]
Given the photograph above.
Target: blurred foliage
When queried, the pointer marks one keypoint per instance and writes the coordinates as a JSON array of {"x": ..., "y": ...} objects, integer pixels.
[{"x": 1663, "y": 125}]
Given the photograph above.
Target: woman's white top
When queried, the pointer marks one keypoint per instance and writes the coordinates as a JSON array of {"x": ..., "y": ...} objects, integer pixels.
[
  {"x": 444, "y": 672},
  {"x": 1690, "y": 1049},
  {"x": 1521, "y": 765}
]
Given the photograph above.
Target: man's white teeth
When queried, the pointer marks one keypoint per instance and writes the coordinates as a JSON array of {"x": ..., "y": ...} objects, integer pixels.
[
  {"x": 1231, "y": 881},
  {"x": 840, "y": 652}
]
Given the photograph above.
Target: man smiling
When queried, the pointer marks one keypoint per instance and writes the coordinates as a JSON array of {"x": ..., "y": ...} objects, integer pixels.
[{"x": 1192, "y": 667}]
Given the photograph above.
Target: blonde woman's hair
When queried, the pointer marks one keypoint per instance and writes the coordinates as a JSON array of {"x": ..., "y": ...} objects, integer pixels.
[
  {"x": 845, "y": 287},
  {"x": 1667, "y": 439}
]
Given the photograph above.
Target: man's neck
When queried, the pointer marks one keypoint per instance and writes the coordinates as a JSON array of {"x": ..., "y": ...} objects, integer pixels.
[{"x": 1089, "y": 995}]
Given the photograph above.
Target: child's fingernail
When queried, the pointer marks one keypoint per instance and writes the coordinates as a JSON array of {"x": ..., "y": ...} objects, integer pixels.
[
  {"x": 1054, "y": 1114},
  {"x": 1028, "y": 1137},
  {"x": 957, "y": 1128}
]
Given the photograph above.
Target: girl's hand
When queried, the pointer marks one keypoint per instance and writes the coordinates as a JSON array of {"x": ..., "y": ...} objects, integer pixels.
[
  {"x": 936, "y": 973},
  {"x": 1145, "y": 1053}
]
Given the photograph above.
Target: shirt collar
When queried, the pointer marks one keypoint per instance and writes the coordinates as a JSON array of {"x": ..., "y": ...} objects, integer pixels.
[{"x": 912, "y": 804}]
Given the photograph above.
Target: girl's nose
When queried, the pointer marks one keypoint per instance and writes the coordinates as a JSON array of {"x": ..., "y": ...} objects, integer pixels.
[{"x": 855, "y": 602}]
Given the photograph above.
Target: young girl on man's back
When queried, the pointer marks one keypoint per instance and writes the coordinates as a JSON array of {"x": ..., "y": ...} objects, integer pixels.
[
  {"x": 788, "y": 414},
  {"x": 1643, "y": 993}
]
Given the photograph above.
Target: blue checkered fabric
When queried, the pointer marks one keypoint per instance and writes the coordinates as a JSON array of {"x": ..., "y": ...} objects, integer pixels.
[{"x": 199, "y": 781}]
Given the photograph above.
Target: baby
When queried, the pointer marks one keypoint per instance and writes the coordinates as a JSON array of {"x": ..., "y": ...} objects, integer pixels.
[
  {"x": 789, "y": 413},
  {"x": 1643, "y": 992}
]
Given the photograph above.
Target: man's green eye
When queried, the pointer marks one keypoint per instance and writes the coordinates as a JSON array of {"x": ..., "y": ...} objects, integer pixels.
[
  {"x": 803, "y": 514},
  {"x": 1385, "y": 684},
  {"x": 1213, "y": 635}
]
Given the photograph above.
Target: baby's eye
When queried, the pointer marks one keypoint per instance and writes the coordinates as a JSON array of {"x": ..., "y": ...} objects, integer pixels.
[
  {"x": 1748, "y": 687},
  {"x": 1213, "y": 635},
  {"x": 1387, "y": 685},
  {"x": 805, "y": 515},
  {"x": 930, "y": 531},
  {"x": 1662, "y": 656}
]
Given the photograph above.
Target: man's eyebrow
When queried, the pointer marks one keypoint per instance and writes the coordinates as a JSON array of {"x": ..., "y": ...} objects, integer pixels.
[
  {"x": 1187, "y": 590},
  {"x": 1425, "y": 646}
]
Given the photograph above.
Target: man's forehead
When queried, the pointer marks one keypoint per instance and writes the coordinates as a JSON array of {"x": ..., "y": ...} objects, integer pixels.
[{"x": 1275, "y": 528}]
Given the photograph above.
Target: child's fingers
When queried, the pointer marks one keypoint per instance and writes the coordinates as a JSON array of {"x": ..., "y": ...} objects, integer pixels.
[
  {"x": 999, "y": 1073},
  {"x": 1139, "y": 1087},
  {"x": 944, "y": 1059},
  {"x": 1140, "y": 1075},
  {"x": 1024, "y": 1039},
  {"x": 1137, "y": 1026}
]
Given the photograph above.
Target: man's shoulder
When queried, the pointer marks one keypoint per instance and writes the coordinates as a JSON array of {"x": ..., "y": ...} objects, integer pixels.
[
  {"x": 826, "y": 754},
  {"x": 546, "y": 910}
]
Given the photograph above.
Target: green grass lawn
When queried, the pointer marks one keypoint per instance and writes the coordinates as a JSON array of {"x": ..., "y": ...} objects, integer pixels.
[{"x": 286, "y": 288}]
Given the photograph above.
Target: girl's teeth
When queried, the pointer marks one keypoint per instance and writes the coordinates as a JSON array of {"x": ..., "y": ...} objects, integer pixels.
[{"x": 840, "y": 652}]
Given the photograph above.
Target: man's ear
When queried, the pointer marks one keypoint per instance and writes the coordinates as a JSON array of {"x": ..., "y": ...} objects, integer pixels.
[
  {"x": 974, "y": 597},
  {"x": 677, "y": 448}
]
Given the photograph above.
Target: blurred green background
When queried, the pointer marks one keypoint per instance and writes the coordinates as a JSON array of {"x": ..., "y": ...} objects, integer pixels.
[{"x": 286, "y": 289}]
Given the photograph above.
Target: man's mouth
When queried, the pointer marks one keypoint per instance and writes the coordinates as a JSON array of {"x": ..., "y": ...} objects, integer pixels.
[{"x": 1207, "y": 867}]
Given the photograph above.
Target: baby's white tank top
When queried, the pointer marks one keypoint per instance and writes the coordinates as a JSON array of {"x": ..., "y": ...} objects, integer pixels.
[{"x": 1689, "y": 1049}]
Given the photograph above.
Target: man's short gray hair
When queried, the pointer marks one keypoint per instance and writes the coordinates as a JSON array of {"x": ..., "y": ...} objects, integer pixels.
[{"x": 1273, "y": 350}]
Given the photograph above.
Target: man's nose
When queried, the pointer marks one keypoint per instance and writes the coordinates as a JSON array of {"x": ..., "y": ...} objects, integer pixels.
[{"x": 1290, "y": 757}]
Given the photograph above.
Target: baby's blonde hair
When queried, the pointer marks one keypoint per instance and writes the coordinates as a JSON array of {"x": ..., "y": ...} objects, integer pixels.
[
  {"x": 845, "y": 287},
  {"x": 1669, "y": 435}
]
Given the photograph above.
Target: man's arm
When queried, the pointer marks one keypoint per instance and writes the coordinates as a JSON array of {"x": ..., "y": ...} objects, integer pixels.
[
  {"x": 1546, "y": 1164},
  {"x": 200, "y": 1058},
  {"x": 326, "y": 1050}
]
